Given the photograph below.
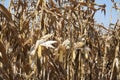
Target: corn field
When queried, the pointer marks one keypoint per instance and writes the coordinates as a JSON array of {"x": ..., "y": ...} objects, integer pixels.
[{"x": 57, "y": 40}]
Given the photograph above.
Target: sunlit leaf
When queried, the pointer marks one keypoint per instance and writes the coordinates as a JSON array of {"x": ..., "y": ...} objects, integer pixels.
[{"x": 48, "y": 44}]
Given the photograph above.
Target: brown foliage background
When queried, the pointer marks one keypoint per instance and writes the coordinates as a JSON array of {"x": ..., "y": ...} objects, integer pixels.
[{"x": 57, "y": 40}]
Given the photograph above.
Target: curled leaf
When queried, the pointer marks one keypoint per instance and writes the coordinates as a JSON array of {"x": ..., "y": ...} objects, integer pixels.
[
  {"x": 66, "y": 43},
  {"x": 79, "y": 44},
  {"x": 5, "y": 12}
]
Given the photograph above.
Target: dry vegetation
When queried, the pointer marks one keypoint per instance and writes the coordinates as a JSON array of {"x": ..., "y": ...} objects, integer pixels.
[{"x": 57, "y": 40}]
